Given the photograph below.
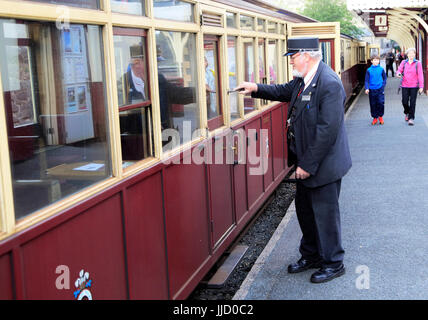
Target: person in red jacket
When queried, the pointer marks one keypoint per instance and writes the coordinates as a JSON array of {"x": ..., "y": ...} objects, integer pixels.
[{"x": 410, "y": 70}]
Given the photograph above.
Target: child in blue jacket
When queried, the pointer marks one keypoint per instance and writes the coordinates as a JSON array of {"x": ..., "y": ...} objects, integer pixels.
[{"x": 375, "y": 84}]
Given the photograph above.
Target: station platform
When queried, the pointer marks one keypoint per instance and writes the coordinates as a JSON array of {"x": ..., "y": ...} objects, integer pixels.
[{"x": 384, "y": 216}]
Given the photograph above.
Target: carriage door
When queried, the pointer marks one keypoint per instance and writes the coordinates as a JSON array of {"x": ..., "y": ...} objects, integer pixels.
[{"x": 329, "y": 36}]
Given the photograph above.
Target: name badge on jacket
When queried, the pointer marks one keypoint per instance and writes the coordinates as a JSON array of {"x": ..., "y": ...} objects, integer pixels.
[{"x": 306, "y": 98}]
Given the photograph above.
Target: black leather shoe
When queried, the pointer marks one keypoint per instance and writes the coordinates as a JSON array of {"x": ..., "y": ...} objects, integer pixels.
[
  {"x": 303, "y": 265},
  {"x": 327, "y": 274}
]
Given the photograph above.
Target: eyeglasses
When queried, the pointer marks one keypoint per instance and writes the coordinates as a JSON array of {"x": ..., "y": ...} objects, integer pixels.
[{"x": 294, "y": 56}]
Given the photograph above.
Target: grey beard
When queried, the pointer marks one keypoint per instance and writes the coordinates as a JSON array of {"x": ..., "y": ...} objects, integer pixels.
[
  {"x": 297, "y": 74},
  {"x": 300, "y": 74}
]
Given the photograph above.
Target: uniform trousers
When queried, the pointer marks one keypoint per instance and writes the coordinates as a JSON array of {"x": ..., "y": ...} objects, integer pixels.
[
  {"x": 377, "y": 102},
  {"x": 318, "y": 214}
]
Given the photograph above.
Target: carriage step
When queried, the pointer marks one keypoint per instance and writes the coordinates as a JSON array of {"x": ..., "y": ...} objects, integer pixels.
[{"x": 223, "y": 273}]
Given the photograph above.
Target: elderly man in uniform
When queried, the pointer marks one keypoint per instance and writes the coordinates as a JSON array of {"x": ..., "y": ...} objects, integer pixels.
[{"x": 318, "y": 147}]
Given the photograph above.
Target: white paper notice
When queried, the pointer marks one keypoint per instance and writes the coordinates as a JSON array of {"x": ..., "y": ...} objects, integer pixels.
[{"x": 90, "y": 167}]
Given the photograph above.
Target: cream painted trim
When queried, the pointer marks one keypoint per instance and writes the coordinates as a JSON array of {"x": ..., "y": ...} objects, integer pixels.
[
  {"x": 224, "y": 81},
  {"x": 154, "y": 89},
  {"x": 176, "y": 26},
  {"x": 202, "y": 95},
  {"x": 212, "y": 9},
  {"x": 64, "y": 204},
  {"x": 112, "y": 111},
  {"x": 240, "y": 55},
  {"x": 129, "y": 21},
  {"x": 212, "y": 30},
  {"x": 50, "y": 12},
  {"x": 139, "y": 166},
  {"x": 256, "y": 68},
  {"x": 7, "y": 216}
]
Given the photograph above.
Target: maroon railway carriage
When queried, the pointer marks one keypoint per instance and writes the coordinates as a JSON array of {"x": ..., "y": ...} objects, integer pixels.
[{"x": 107, "y": 188}]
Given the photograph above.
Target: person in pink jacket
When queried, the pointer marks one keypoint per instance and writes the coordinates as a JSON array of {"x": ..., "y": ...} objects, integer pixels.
[{"x": 410, "y": 70}]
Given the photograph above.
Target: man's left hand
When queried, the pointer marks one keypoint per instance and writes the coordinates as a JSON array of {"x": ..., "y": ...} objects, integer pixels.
[{"x": 302, "y": 174}]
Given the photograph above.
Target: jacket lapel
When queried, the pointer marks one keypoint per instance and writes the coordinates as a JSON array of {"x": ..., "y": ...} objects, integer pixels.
[
  {"x": 296, "y": 90},
  {"x": 310, "y": 89}
]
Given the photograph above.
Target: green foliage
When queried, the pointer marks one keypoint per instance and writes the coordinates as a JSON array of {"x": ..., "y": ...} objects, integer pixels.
[{"x": 331, "y": 11}]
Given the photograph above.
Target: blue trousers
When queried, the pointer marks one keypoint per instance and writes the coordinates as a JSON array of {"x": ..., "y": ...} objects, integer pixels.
[{"x": 377, "y": 102}]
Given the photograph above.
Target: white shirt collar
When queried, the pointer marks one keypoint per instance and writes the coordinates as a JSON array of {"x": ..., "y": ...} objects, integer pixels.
[
  {"x": 311, "y": 74},
  {"x": 138, "y": 83}
]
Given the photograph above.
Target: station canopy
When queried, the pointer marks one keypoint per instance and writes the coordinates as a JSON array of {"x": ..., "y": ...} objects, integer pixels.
[
  {"x": 381, "y": 4},
  {"x": 402, "y": 21}
]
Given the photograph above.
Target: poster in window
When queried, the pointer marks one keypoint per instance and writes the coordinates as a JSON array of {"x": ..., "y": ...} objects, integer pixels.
[
  {"x": 71, "y": 100},
  {"x": 22, "y": 97},
  {"x": 67, "y": 40},
  {"x": 76, "y": 40},
  {"x": 81, "y": 98}
]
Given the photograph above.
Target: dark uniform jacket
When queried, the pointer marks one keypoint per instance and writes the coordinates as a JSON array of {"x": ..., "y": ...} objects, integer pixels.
[{"x": 321, "y": 143}]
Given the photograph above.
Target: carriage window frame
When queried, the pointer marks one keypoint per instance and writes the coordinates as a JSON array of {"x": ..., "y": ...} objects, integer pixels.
[
  {"x": 216, "y": 121},
  {"x": 248, "y": 66},
  {"x": 146, "y": 105},
  {"x": 99, "y": 4},
  {"x": 193, "y": 16},
  {"x": 74, "y": 95},
  {"x": 243, "y": 18},
  {"x": 133, "y": 32},
  {"x": 261, "y": 66},
  {"x": 231, "y": 20},
  {"x": 143, "y": 12},
  {"x": 233, "y": 72}
]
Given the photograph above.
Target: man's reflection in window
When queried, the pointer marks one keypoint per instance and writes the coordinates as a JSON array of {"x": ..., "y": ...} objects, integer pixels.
[
  {"x": 135, "y": 76},
  {"x": 210, "y": 90}
]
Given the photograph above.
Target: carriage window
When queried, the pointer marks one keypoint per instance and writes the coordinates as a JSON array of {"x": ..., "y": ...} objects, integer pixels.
[
  {"x": 325, "y": 48},
  {"x": 249, "y": 103},
  {"x": 212, "y": 84},
  {"x": 54, "y": 95},
  {"x": 136, "y": 7},
  {"x": 247, "y": 23},
  {"x": 87, "y": 4},
  {"x": 262, "y": 65},
  {"x": 173, "y": 10},
  {"x": 261, "y": 24},
  {"x": 272, "y": 62},
  {"x": 231, "y": 19},
  {"x": 135, "y": 112},
  {"x": 177, "y": 74},
  {"x": 272, "y": 27},
  {"x": 362, "y": 55},
  {"x": 233, "y": 82}
]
